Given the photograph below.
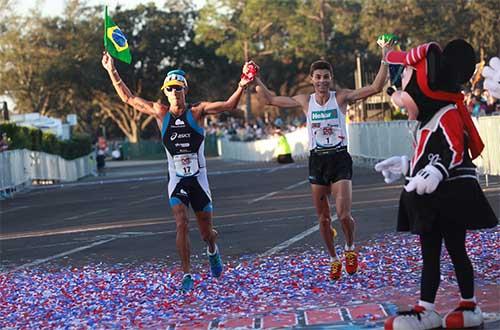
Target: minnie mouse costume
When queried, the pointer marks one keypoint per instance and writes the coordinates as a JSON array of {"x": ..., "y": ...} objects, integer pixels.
[{"x": 442, "y": 197}]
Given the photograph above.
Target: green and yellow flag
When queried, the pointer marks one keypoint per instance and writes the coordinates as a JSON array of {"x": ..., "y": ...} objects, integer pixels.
[{"x": 115, "y": 42}]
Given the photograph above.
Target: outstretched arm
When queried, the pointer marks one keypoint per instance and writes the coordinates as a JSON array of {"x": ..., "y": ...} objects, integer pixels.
[
  {"x": 123, "y": 91},
  {"x": 212, "y": 108},
  {"x": 279, "y": 101},
  {"x": 351, "y": 95}
]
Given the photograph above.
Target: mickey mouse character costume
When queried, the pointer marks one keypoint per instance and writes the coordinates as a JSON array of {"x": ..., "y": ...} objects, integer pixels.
[{"x": 442, "y": 197}]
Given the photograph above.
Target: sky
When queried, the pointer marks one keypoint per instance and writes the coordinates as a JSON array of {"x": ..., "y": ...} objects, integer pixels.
[{"x": 56, "y": 7}]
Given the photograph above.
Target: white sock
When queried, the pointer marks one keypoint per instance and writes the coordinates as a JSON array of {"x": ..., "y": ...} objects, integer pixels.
[
  {"x": 332, "y": 259},
  {"x": 349, "y": 248},
  {"x": 186, "y": 274},
  {"x": 215, "y": 251},
  {"x": 473, "y": 299},
  {"x": 427, "y": 305}
]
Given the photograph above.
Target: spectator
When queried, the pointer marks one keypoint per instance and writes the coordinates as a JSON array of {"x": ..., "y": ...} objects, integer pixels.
[
  {"x": 283, "y": 150},
  {"x": 4, "y": 142},
  {"x": 102, "y": 149}
]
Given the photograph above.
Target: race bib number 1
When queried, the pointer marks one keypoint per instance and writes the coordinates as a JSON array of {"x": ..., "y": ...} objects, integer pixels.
[
  {"x": 186, "y": 164},
  {"x": 328, "y": 136}
]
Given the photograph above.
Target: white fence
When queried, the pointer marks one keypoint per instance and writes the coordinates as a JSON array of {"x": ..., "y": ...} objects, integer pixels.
[
  {"x": 18, "y": 168},
  {"x": 368, "y": 142}
]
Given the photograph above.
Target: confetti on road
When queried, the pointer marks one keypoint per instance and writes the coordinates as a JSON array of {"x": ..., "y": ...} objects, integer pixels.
[{"x": 147, "y": 295}]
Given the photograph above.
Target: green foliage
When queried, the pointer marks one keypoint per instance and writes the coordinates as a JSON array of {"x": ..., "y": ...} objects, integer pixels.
[
  {"x": 34, "y": 139},
  {"x": 51, "y": 65}
]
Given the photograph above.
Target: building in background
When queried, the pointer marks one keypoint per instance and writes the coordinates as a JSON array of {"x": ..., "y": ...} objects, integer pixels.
[{"x": 46, "y": 124}]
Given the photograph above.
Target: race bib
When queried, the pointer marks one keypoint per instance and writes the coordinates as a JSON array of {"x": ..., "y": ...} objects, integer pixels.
[
  {"x": 186, "y": 164},
  {"x": 328, "y": 136}
]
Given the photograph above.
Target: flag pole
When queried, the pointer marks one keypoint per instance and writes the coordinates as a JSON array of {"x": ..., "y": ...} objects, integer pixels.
[{"x": 105, "y": 18}]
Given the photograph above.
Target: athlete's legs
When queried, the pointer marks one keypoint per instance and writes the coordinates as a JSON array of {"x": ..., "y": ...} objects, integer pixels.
[
  {"x": 208, "y": 234},
  {"x": 320, "y": 199},
  {"x": 342, "y": 192},
  {"x": 182, "y": 240}
]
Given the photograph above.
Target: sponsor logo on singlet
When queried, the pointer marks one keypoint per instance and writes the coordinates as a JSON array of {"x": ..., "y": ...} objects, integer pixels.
[
  {"x": 324, "y": 114},
  {"x": 179, "y": 123},
  {"x": 182, "y": 145},
  {"x": 179, "y": 136}
]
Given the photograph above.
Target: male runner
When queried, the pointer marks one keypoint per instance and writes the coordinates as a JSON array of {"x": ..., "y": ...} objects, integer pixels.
[
  {"x": 330, "y": 165},
  {"x": 181, "y": 126}
]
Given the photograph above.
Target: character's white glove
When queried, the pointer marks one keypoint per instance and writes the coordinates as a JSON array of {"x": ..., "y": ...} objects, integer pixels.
[
  {"x": 426, "y": 180},
  {"x": 491, "y": 76},
  {"x": 392, "y": 168}
]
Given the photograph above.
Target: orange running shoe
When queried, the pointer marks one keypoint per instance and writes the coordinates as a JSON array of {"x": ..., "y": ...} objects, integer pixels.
[
  {"x": 351, "y": 262},
  {"x": 335, "y": 270}
]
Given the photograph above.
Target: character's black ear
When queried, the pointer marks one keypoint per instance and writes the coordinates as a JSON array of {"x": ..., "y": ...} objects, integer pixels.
[
  {"x": 458, "y": 62},
  {"x": 433, "y": 58}
]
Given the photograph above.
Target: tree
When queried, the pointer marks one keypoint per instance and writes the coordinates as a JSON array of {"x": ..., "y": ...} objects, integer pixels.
[{"x": 284, "y": 37}]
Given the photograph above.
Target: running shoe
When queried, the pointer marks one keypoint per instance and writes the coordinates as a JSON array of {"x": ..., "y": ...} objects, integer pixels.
[
  {"x": 187, "y": 283},
  {"x": 335, "y": 270},
  {"x": 351, "y": 262},
  {"x": 334, "y": 232},
  {"x": 216, "y": 265}
]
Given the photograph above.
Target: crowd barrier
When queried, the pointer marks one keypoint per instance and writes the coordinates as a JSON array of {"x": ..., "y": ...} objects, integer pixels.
[
  {"x": 20, "y": 168},
  {"x": 369, "y": 142}
]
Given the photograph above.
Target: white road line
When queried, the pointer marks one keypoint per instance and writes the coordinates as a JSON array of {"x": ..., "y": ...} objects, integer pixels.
[
  {"x": 86, "y": 214},
  {"x": 277, "y": 168},
  {"x": 63, "y": 254},
  {"x": 292, "y": 240},
  {"x": 14, "y": 209},
  {"x": 276, "y": 192},
  {"x": 145, "y": 199}
]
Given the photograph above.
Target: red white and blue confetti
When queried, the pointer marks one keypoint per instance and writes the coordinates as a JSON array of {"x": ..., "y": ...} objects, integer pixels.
[{"x": 131, "y": 295}]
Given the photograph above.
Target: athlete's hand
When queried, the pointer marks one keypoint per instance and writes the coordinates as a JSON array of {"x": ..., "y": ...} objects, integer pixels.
[
  {"x": 248, "y": 73},
  {"x": 107, "y": 62},
  {"x": 392, "y": 168},
  {"x": 492, "y": 77},
  {"x": 387, "y": 41},
  {"x": 426, "y": 180}
]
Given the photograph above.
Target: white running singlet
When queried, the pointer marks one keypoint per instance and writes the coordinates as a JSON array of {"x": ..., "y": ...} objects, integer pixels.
[{"x": 326, "y": 124}]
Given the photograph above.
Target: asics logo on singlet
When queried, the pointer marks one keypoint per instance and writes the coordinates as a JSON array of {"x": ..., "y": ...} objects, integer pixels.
[
  {"x": 180, "y": 136},
  {"x": 326, "y": 114},
  {"x": 179, "y": 122}
]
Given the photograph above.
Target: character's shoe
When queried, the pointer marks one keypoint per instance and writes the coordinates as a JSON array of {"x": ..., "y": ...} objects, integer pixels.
[
  {"x": 187, "y": 283},
  {"x": 351, "y": 261},
  {"x": 466, "y": 315},
  {"x": 417, "y": 318},
  {"x": 335, "y": 270},
  {"x": 216, "y": 265}
]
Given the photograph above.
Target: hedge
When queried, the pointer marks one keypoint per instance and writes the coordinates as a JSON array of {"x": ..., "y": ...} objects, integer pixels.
[{"x": 34, "y": 139}]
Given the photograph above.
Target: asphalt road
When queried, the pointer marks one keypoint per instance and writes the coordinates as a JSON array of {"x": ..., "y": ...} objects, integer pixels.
[{"x": 259, "y": 208}]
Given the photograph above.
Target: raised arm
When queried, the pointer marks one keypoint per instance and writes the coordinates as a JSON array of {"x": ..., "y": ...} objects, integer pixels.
[
  {"x": 212, "y": 108},
  {"x": 280, "y": 101},
  {"x": 351, "y": 95},
  {"x": 124, "y": 92}
]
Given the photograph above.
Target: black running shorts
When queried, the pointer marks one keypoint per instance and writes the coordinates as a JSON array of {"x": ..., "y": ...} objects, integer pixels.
[{"x": 328, "y": 168}]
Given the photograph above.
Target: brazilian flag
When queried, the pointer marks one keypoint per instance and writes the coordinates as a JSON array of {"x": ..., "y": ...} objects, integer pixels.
[{"x": 115, "y": 42}]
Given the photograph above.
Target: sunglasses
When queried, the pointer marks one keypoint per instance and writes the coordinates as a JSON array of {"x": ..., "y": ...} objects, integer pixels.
[{"x": 174, "y": 88}]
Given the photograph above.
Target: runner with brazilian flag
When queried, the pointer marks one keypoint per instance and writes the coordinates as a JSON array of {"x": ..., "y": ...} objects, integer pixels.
[{"x": 115, "y": 42}]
